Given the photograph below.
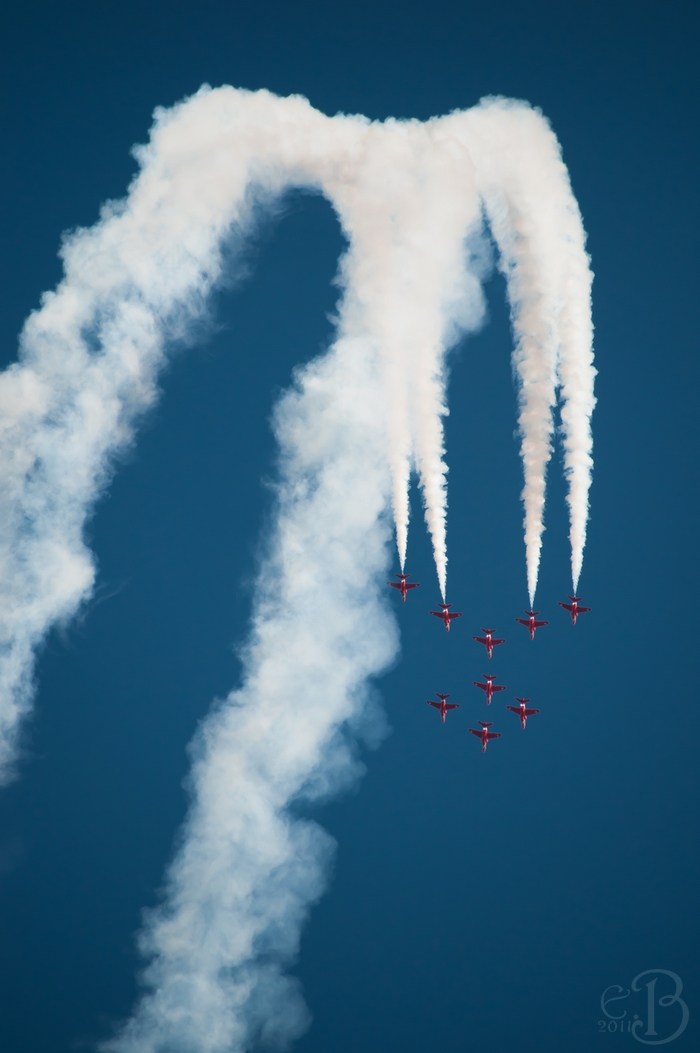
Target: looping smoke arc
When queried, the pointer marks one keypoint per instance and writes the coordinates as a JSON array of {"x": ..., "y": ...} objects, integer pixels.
[{"x": 354, "y": 426}]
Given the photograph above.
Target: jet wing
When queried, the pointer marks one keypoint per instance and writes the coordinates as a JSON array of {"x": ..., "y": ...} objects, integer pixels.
[
  {"x": 583, "y": 610},
  {"x": 477, "y": 733},
  {"x": 481, "y": 639},
  {"x": 412, "y": 585},
  {"x": 567, "y": 606},
  {"x": 522, "y": 621},
  {"x": 494, "y": 642},
  {"x": 435, "y": 704},
  {"x": 498, "y": 687},
  {"x": 530, "y": 712},
  {"x": 396, "y": 585},
  {"x": 493, "y": 734},
  {"x": 538, "y": 625},
  {"x": 437, "y": 614},
  {"x": 514, "y": 709},
  {"x": 452, "y": 705},
  {"x": 458, "y": 615}
]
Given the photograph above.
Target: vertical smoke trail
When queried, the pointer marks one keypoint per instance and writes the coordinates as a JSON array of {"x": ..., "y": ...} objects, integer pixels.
[
  {"x": 577, "y": 375},
  {"x": 406, "y": 212},
  {"x": 537, "y": 225},
  {"x": 358, "y": 420},
  {"x": 243, "y": 881}
]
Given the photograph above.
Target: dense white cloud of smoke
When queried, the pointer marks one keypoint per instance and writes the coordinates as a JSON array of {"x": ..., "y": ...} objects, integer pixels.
[{"x": 355, "y": 425}]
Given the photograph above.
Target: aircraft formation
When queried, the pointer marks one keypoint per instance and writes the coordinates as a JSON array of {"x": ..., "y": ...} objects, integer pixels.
[{"x": 489, "y": 641}]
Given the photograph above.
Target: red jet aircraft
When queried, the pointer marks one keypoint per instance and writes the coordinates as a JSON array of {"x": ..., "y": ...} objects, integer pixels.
[
  {"x": 487, "y": 640},
  {"x": 445, "y": 614},
  {"x": 531, "y": 624},
  {"x": 489, "y": 687},
  {"x": 485, "y": 734},
  {"x": 573, "y": 608},
  {"x": 402, "y": 585},
  {"x": 443, "y": 705},
  {"x": 521, "y": 711}
]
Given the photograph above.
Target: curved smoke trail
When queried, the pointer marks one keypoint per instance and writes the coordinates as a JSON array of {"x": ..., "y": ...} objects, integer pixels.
[
  {"x": 357, "y": 422},
  {"x": 537, "y": 226}
]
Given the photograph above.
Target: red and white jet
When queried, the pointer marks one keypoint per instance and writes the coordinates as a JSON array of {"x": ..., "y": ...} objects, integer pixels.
[
  {"x": 573, "y": 608},
  {"x": 489, "y": 687},
  {"x": 531, "y": 624},
  {"x": 522, "y": 711},
  {"x": 402, "y": 585},
  {"x": 446, "y": 614},
  {"x": 443, "y": 705},
  {"x": 488, "y": 641},
  {"x": 485, "y": 734}
]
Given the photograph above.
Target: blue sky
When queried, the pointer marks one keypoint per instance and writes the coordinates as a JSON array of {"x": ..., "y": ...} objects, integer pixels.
[{"x": 479, "y": 903}]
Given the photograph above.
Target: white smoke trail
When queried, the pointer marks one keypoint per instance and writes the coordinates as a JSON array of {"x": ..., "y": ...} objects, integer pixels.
[
  {"x": 407, "y": 212},
  {"x": 407, "y": 195},
  {"x": 242, "y": 883},
  {"x": 537, "y": 225}
]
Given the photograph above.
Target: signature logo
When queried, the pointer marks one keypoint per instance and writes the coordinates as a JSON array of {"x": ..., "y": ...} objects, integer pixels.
[{"x": 659, "y": 1011}]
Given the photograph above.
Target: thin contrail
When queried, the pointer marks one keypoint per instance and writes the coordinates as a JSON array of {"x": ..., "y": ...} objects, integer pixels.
[{"x": 355, "y": 425}]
